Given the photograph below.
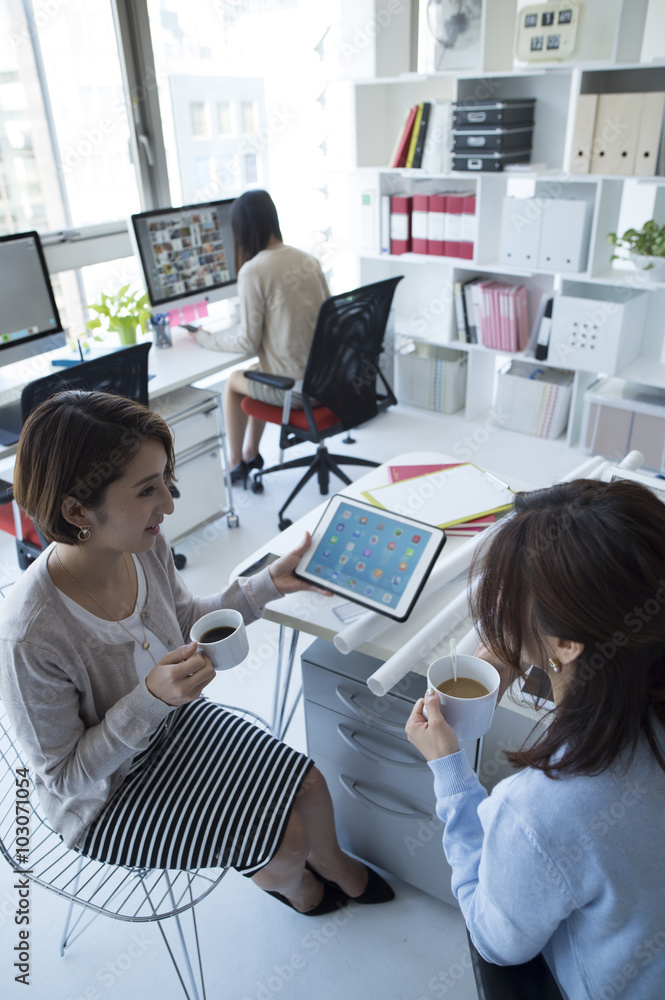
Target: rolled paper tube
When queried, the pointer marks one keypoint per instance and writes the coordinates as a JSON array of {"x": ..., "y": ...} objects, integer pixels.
[
  {"x": 418, "y": 646},
  {"x": 468, "y": 644},
  {"x": 591, "y": 469},
  {"x": 371, "y": 624},
  {"x": 632, "y": 461}
]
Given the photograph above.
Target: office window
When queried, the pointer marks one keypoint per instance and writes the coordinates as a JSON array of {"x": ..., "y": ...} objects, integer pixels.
[
  {"x": 199, "y": 120},
  {"x": 224, "y": 118},
  {"x": 75, "y": 291},
  {"x": 255, "y": 65},
  {"x": 61, "y": 103},
  {"x": 251, "y": 169},
  {"x": 248, "y": 117}
]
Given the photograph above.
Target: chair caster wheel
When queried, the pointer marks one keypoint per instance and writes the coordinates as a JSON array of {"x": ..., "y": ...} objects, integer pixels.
[
  {"x": 257, "y": 486},
  {"x": 232, "y": 520},
  {"x": 284, "y": 523},
  {"x": 179, "y": 560}
]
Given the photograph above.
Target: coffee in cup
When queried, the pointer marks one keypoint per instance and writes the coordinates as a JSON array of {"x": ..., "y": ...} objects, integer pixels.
[
  {"x": 463, "y": 687},
  {"x": 222, "y": 637},
  {"x": 467, "y": 703}
]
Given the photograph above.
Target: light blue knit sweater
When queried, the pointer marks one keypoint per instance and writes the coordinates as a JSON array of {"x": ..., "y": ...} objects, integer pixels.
[{"x": 573, "y": 867}]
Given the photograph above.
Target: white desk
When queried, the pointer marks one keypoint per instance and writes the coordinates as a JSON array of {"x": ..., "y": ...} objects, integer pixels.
[{"x": 173, "y": 367}]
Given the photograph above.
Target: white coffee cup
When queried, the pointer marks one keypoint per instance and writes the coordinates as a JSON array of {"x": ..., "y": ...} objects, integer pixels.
[
  {"x": 224, "y": 653},
  {"x": 469, "y": 717}
]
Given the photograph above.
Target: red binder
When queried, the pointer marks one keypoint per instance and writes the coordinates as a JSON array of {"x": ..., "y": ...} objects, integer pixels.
[
  {"x": 402, "y": 150},
  {"x": 453, "y": 224},
  {"x": 419, "y": 214},
  {"x": 467, "y": 228},
  {"x": 400, "y": 223},
  {"x": 435, "y": 224}
]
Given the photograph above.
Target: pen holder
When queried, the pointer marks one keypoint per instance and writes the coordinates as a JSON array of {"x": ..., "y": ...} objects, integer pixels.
[{"x": 161, "y": 330}]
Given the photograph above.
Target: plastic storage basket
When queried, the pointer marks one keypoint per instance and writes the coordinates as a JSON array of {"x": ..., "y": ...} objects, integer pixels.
[
  {"x": 532, "y": 399},
  {"x": 432, "y": 377}
]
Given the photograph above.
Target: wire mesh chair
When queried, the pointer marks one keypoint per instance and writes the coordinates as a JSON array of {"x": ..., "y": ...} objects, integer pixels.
[{"x": 136, "y": 895}]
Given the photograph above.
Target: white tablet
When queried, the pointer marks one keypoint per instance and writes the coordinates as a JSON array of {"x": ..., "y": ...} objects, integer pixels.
[{"x": 371, "y": 556}]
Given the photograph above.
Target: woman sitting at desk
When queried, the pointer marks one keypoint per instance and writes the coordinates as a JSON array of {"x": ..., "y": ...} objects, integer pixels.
[
  {"x": 281, "y": 290},
  {"x": 103, "y": 687},
  {"x": 566, "y": 857}
]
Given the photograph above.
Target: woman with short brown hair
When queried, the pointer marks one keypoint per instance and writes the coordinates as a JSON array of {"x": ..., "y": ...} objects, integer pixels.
[
  {"x": 565, "y": 857},
  {"x": 103, "y": 686}
]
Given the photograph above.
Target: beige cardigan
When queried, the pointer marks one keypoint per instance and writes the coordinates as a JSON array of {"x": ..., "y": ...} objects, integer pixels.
[
  {"x": 75, "y": 703},
  {"x": 281, "y": 291}
]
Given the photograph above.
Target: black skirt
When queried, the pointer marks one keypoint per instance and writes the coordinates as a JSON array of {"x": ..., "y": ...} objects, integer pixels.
[{"x": 211, "y": 791}]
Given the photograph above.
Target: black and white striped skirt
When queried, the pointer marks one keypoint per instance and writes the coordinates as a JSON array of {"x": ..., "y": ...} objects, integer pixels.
[{"x": 211, "y": 791}]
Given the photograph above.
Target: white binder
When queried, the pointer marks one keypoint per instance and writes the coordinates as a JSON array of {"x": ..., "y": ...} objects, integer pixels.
[
  {"x": 615, "y": 134},
  {"x": 649, "y": 135},
  {"x": 564, "y": 235},
  {"x": 520, "y": 232},
  {"x": 585, "y": 121}
]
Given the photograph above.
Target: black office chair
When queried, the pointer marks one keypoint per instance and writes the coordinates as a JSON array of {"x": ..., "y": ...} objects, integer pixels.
[
  {"x": 513, "y": 982},
  {"x": 123, "y": 372},
  {"x": 342, "y": 388}
]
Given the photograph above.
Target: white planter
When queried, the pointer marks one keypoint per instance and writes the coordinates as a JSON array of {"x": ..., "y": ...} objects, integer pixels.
[{"x": 657, "y": 270}]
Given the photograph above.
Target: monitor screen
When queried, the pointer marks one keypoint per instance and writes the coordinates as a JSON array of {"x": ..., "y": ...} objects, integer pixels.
[
  {"x": 28, "y": 313},
  {"x": 187, "y": 253}
]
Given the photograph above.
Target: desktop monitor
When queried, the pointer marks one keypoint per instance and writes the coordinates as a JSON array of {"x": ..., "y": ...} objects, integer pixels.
[
  {"x": 187, "y": 254},
  {"x": 29, "y": 319}
]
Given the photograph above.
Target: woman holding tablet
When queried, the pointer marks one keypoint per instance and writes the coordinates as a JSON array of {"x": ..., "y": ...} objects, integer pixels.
[
  {"x": 104, "y": 690},
  {"x": 565, "y": 857}
]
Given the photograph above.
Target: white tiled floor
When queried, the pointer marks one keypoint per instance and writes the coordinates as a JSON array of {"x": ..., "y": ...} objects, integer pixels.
[{"x": 253, "y": 947}]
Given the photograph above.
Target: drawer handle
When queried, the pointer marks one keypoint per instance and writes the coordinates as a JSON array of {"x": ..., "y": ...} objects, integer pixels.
[
  {"x": 353, "y": 790},
  {"x": 350, "y": 701},
  {"x": 348, "y": 735}
]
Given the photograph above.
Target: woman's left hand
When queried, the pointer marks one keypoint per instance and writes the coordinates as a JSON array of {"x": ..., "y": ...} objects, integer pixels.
[
  {"x": 282, "y": 569},
  {"x": 432, "y": 735}
]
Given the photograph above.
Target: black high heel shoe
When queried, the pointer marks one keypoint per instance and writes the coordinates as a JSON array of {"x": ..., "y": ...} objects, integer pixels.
[
  {"x": 377, "y": 889},
  {"x": 243, "y": 469}
]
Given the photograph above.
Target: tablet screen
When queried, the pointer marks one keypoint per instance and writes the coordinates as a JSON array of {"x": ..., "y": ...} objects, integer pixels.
[{"x": 372, "y": 556}]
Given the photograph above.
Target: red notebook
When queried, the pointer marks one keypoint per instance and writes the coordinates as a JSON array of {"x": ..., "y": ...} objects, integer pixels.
[
  {"x": 453, "y": 224},
  {"x": 436, "y": 224},
  {"x": 399, "y": 160},
  {"x": 467, "y": 228},
  {"x": 419, "y": 223},
  {"x": 400, "y": 223}
]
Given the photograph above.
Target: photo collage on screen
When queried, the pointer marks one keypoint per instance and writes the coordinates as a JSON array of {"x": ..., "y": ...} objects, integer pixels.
[{"x": 188, "y": 251}]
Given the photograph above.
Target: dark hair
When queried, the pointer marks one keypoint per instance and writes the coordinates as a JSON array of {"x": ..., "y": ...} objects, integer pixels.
[
  {"x": 583, "y": 561},
  {"x": 253, "y": 221},
  {"x": 76, "y": 444}
]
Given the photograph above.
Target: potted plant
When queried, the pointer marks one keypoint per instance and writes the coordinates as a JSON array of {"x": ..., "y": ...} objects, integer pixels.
[
  {"x": 121, "y": 313},
  {"x": 645, "y": 246}
]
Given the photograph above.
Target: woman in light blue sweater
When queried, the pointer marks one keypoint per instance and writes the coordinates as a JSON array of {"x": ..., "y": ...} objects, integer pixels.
[{"x": 567, "y": 857}]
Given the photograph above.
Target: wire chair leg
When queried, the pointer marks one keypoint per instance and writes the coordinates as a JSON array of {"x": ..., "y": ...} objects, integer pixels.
[
  {"x": 63, "y": 939},
  {"x": 183, "y": 944},
  {"x": 280, "y": 729}
]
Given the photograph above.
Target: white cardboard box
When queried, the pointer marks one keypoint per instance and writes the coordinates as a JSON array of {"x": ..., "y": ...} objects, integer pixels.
[{"x": 598, "y": 328}]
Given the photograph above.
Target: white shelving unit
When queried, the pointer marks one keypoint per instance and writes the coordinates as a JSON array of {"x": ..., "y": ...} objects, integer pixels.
[{"x": 374, "y": 108}]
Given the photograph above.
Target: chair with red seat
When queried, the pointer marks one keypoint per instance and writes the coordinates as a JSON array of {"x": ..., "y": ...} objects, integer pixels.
[{"x": 342, "y": 388}]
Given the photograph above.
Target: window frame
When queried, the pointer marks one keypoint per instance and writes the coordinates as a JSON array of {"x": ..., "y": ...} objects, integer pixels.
[{"x": 72, "y": 249}]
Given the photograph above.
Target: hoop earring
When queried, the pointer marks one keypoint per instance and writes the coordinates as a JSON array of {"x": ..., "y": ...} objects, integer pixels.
[
  {"x": 84, "y": 534},
  {"x": 555, "y": 665}
]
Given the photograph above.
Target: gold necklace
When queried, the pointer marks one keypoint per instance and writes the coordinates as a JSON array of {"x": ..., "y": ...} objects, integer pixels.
[{"x": 145, "y": 644}]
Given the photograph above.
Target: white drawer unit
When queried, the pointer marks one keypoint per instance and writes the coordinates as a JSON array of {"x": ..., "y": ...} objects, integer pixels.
[
  {"x": 203, "y": 487},
  {"x": 381, "y": 787}
]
